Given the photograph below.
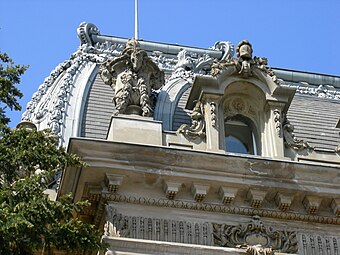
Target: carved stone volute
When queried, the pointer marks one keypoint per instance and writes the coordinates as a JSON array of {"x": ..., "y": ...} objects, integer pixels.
[
  {"x": 197, "y": 128},
  {"x": 133, "y": 77},
  {"x": 290, "y": 140}
]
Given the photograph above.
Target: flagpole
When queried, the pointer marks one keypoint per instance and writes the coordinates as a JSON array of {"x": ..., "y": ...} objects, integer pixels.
[{"x": 136, "y": 19}]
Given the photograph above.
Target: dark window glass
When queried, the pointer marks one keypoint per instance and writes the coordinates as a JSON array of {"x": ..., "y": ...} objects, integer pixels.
[{"x": 239, "y": 137}]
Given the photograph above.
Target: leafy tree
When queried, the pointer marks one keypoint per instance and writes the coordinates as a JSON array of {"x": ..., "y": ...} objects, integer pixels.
[
  {"x": 9, "y": 94},
  {"x": 29, "y": 220}
]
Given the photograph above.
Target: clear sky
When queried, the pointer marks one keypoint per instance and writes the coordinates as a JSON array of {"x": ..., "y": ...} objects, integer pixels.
[{"x": 293, "y": 34}]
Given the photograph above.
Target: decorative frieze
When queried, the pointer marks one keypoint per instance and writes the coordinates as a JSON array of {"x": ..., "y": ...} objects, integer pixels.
[
  {"x": 318, "y": 244},
  {"x": 157, "y": 229},
  {"x": 255, "y": 233},
  {"x": 321, "y": 91},
  {"x": 221, "y": 208}
]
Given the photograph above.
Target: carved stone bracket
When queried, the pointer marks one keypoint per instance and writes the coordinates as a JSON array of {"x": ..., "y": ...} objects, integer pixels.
[
  {"x": 113, "y": 182},
  {"x": 171, "y": 189},
  {"x": 197, "y": 128},
  {"x": 199, "y": 191},
  {"x": 283, "y": 201},
  {"x": 312, "y": 204},
  {"x": 256, "y": 197},
  {"x": 335, "y": 205},
  {"x": 227, "y": 194},
  {"x": 290, "y": 140},
  {"x": 255, "y": 233}
]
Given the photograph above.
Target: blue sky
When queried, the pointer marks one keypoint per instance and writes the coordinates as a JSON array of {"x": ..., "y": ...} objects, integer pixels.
[{"x": 299, "y": 35}]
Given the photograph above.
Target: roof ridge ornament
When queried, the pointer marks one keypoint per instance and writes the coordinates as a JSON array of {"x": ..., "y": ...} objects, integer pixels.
[{"x": 85, "y": 32}]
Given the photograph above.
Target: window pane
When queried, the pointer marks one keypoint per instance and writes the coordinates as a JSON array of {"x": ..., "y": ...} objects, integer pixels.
[{"x": 235, "y": 145}]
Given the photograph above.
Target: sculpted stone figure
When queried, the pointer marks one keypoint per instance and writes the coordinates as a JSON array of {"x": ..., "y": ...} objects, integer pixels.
[
  {"x": 245, "y": 63},
  {"x": 132, "y": 77}
]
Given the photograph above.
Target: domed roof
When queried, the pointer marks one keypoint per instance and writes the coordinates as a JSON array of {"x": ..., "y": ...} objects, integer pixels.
[{"x": 74, "y": 101}]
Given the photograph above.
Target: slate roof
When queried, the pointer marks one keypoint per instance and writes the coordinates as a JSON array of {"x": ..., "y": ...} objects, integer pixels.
[{"x": 314, "y": 118}]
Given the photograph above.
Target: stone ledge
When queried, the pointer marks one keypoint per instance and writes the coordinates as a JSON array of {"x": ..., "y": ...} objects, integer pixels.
[{"x": 120, "y": 246}]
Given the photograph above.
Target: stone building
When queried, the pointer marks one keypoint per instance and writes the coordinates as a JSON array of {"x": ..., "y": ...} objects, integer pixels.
[{"x": 196, "y": 151}]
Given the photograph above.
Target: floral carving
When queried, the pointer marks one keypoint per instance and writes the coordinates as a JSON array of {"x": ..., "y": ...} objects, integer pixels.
[
  {"x": 213, "y": 113},
  {"x": 277, "y": 120},
  {"x": 133, "y": 77},
  {"x": 254, "y": 233},
  {"x": 197, "y": 128}
]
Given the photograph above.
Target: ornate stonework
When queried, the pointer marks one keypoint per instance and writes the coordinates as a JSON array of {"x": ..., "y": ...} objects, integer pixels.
[
  {"x": 213, "y": 113},
  {"x": 255, "y": 233},
  {"x": 290, "y": 140},
  {"x": 277, "y": 121},
  {"x": 208, "y": 207},
  {"x": 52, "y": 96},
  {"x": 244, "y": 63},
  {"x": 197, "y": 128},
  {"x": 133, "y": 77},
  {"x": 259, "y": 250}
]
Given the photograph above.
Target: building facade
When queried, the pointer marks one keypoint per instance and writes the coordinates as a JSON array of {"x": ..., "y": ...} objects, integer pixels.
[{"x": 196, "y": 151}]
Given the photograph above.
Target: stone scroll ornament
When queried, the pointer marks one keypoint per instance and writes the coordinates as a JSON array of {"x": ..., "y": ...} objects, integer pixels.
[
  {"x": 256, "y": 237},
  {"x": 197, "y": 128},
  {"x": 133, "y": 77},
  {"x": 290, "y": 140},
  {"x": 244, "y": 63}
]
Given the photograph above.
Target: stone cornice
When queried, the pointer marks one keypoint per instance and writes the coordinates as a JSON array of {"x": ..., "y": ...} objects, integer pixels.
[
  {"x": 221, "y": 167},
  {"x": 208, "y": 207}
]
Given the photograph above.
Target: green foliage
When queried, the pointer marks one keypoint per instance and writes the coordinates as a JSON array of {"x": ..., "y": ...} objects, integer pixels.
[
  {"x": 29, "y": 220},
  {"x": 9, "y": 94}
]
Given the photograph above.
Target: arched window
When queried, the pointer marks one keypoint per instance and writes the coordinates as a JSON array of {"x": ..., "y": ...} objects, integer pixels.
[{"x": 239, "y": 136}]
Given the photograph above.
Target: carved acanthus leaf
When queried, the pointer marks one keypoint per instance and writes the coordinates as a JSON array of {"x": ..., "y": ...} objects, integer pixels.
[
  {"x": 254, "y": 234},
  {"x": 197, "y": 128},
  {"x": 290, "y": 140}
]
